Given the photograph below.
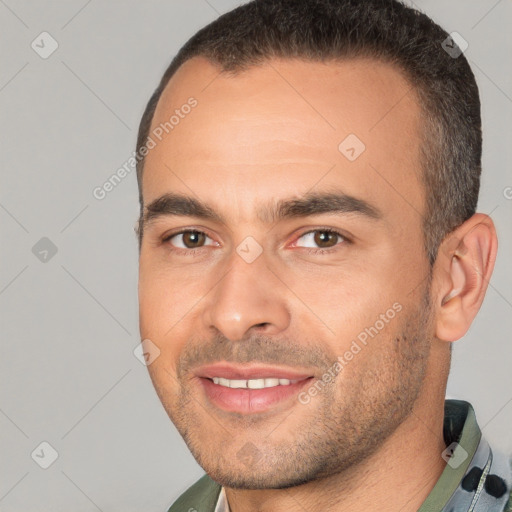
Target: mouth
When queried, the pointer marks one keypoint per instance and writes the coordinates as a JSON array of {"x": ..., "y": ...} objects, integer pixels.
[
  {"x": 261, "y": 383},
  {"x": 250, "y": 389}
]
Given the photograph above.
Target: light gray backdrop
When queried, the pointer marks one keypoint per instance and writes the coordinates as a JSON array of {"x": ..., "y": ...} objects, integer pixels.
[{"x": 70, "y": 319}]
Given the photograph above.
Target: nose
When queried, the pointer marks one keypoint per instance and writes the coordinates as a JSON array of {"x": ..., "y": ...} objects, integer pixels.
[{"x": 247, "y": 296}]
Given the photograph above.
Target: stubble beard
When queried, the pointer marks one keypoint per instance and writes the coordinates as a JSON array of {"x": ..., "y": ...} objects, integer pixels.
[{"x": 348, "y": 421}]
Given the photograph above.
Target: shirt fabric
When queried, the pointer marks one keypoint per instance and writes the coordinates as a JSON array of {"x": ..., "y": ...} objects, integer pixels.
[
  {"x": 222, "y": 503},
  {"x": 476, "y": 478}
]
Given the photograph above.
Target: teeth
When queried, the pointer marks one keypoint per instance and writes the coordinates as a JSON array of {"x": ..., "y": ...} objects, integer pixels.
[
  {"x": 256, "y": 383},
  {"x": 253, "y": 383}
]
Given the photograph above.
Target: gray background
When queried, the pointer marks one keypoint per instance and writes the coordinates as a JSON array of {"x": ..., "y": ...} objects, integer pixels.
[{"x": 70, "y": 323}]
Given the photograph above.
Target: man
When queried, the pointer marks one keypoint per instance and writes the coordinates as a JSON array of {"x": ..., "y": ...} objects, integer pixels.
[{"x": 309, "y": 250}]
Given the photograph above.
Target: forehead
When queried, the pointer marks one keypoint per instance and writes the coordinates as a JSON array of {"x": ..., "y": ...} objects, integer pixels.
[{"x": 288, "y": 125}]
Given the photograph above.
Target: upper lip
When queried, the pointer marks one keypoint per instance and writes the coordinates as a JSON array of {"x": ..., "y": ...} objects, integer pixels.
[{"x": 246, "y": 372}]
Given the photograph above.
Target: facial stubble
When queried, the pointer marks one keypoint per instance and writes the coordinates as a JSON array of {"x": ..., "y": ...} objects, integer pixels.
[{"x": 343, "y": 425}]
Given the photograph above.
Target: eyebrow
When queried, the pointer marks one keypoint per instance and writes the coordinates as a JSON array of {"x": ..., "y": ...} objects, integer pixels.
[{"x": 312, "y": 203}]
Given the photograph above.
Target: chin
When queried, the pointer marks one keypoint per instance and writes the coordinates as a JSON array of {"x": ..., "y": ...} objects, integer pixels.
[{"x": 254, "y": 482}]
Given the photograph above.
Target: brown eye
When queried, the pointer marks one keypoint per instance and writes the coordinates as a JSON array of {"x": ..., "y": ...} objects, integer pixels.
[
  {"x": 325, "y": 239},
  {"x": 321, "y": 239},
  {"x": 193, "y": 239},
  {"x": 190, "y": 239}
]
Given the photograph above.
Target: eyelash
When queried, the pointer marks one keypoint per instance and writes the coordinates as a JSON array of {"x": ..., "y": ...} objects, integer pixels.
[
  {"x": 309, "y": 250},
  {"x": 335, "y": 248}
]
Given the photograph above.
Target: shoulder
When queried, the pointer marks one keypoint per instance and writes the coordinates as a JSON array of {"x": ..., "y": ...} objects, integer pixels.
[
  {"x": 508, "y": 506},
  {"x": 200, "y": 497}
]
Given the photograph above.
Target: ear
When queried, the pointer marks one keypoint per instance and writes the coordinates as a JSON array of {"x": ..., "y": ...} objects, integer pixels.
[{"x": 462, "y": 271}]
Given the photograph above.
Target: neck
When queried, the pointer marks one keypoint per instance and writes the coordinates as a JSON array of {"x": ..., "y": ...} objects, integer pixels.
[{"x": 398, "y": 476}]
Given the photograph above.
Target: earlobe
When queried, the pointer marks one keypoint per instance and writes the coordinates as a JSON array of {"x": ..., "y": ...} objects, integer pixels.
[{"x": 466, "y": 261}]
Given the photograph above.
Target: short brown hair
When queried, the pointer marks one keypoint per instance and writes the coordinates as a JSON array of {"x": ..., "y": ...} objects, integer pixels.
[{"x": 387, "y": 30}]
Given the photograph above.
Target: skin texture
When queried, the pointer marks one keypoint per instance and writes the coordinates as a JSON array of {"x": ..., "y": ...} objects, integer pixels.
[{"x": 270, "y": 133}]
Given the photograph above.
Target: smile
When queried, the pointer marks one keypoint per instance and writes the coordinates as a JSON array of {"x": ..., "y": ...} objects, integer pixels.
[
  {"x": 251, "y": 388},
  {"x": 252, "y": 383}
]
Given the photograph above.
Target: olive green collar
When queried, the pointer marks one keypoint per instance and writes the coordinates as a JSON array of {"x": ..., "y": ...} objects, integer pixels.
[{"x": 460, "y": 431}]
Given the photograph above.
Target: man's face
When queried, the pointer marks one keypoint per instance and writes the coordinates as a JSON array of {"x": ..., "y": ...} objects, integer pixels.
[{"x": 253, "y": 297}]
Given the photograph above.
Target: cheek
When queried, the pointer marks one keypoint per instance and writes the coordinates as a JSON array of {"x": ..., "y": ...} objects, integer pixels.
[
  {"x": 151, "y": 302},
  {"x": 165, "y": 384},
  {"x": 162, "y": 299},
  {"x": 359, "y": 311},
  {"x": 168, "y": 307}
]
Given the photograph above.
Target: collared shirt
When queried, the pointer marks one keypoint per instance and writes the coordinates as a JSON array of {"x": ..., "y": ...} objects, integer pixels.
[
  {"x": 222, "y": 503},
  {"x": 476, "y": 478}
]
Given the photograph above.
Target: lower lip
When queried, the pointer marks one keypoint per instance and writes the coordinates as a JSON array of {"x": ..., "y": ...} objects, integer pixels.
[{"x": 247, "y": 401}]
